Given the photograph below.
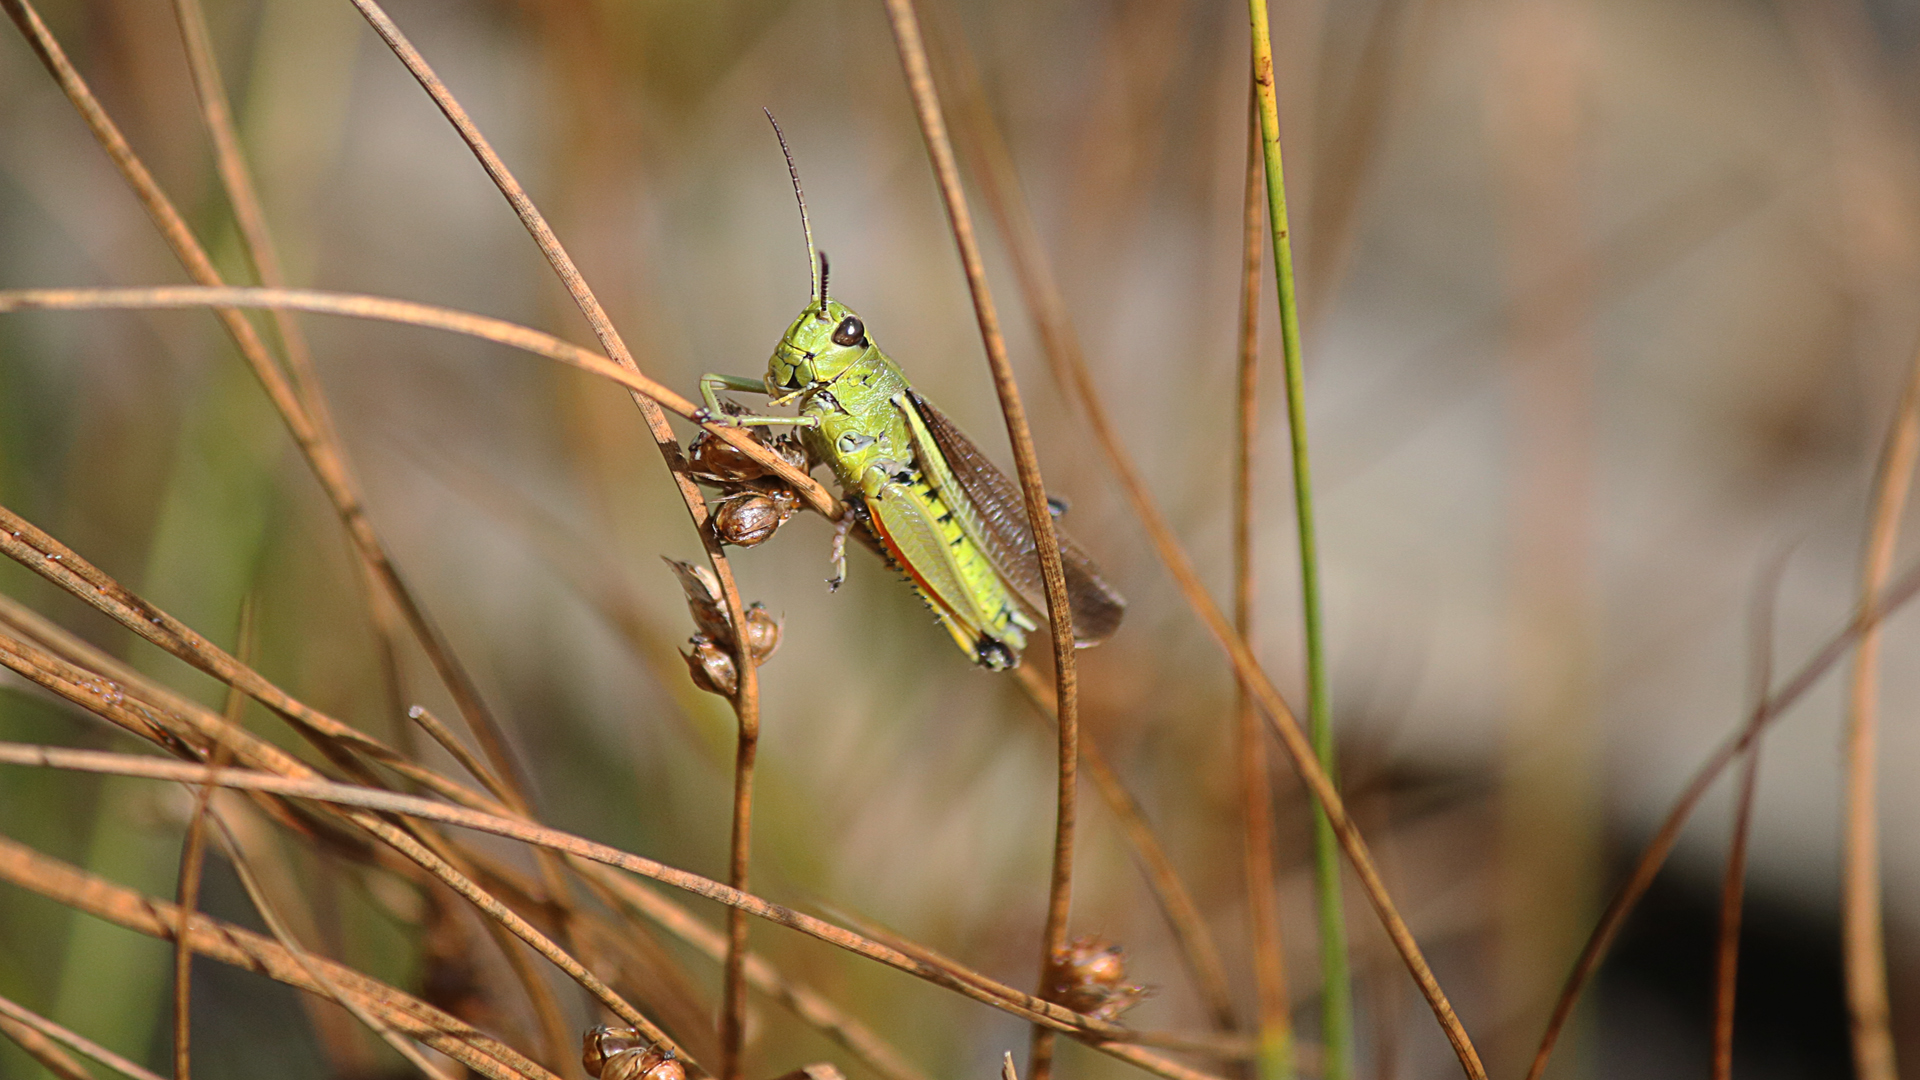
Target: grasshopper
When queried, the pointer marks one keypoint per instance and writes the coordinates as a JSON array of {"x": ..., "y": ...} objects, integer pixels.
[{"x": 928, "y": 498}]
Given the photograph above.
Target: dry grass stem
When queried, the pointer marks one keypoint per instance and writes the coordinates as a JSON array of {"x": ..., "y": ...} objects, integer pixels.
[
  {"x": 33, "y": 1022},
  {"x": 1726, "y": 966},
  {"x": 43, "y": 1050},
  {"x": 1863, "y": 945},
  {"x": 187, "y": 899},
  {"x": 192, "y": 862},
  {"x": 268, "y": 915},
  {"x": 1256, "y": 792},
  {"x": 236, "y": 180},
  {"x": 979, "y": 139},
  {"x": 933, "y": 128},
  {"x": 1734, "y": 879},
  {"x": 451, "y": 743}
]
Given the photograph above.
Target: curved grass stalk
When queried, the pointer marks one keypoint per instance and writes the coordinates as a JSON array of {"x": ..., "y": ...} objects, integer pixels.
[
  {"x": 1862, "y": 931},
  {"x": 406, "y": 312},
  {"x": 187, "y": 898},
  {"x": 1733, "y": 882},
  {"x": 1726, "y": 959},
  {"x": 1336, "y": 1015}
]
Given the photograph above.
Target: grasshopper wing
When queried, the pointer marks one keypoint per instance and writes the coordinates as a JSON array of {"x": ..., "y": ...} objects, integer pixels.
[{"x": 998, "y": 524}]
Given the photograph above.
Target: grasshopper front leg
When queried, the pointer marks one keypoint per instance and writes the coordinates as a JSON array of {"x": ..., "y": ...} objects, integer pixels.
[{"x": 710, "y": 386}]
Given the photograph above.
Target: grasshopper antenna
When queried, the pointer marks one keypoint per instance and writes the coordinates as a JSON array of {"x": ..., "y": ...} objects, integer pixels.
[
  {"x": 823, "y": 285},
  {"x": 818, "y": 283}
]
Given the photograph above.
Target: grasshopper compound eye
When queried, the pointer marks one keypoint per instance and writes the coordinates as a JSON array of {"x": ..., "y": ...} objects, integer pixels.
[{"x": 849, "y": 332}]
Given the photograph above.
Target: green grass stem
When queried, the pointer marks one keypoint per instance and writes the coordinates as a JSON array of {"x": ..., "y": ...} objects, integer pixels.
[{"x": 1337, "y": 993}]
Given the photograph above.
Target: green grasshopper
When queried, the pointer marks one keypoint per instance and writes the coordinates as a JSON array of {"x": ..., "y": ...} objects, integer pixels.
[{"x": 931, "y": 501}]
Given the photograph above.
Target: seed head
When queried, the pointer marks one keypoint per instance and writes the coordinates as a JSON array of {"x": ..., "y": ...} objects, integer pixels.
[
  {"x": 749, "y": 518},
  {"x": 625, "y": 1054},
  {"x": 1090, "y": 976},
  {"x": 711, "y": 666},
  {"x": 763, "y": 633}
]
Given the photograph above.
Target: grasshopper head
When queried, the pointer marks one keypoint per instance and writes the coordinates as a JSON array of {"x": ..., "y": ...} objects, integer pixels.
[{"x": 820, "y": 345}]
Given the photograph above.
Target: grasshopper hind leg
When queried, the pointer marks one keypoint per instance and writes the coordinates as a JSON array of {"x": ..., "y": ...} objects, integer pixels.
[{"x": 993, "y": 654}]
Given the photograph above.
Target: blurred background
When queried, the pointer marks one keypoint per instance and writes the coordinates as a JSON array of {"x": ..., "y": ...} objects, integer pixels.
[{"x": 1607, "y": 309}]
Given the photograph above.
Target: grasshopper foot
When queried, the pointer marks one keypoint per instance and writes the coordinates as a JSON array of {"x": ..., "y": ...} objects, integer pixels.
[{"x": 839, "y": 552}]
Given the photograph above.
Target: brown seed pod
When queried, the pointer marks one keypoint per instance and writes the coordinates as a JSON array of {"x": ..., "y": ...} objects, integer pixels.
[
  {"x": 749, "y": 518},
  {"x": 625, "y": 1054},
  {"x": 718, "y": 461},
  {"x": 1090, "y": 976},
  {"x": 648, "y": 1064},
  {"x": 703, "y": 600},
  {"x": 711, "y": 666},
  {"x": 763, "y": 633}
]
